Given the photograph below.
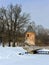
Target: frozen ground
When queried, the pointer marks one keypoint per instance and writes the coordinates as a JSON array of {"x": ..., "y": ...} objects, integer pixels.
[{"x": 10, "y": 56}]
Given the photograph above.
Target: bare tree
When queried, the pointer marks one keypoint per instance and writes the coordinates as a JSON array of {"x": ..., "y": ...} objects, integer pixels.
[{"x": 13, "y": 21}]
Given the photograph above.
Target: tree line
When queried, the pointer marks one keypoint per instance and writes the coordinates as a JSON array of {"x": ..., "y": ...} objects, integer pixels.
[
  {"x": 14, "y": 23},
  {"x": 42, "y": 34}
]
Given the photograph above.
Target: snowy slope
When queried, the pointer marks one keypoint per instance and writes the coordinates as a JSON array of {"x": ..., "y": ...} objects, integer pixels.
[{"x": 10, "y": 56}]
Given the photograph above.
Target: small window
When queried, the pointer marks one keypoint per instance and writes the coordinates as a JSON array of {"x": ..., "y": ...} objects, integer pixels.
[{"x": 27, "y": 35}]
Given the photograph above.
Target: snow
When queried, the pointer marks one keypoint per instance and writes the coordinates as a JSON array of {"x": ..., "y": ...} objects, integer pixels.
[
  {"x": 10, "y": 56},
  {"x": 43, "y": 49}
]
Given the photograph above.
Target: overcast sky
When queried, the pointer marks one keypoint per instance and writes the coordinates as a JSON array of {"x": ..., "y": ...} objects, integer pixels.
[{"x": 38, "y": 9}]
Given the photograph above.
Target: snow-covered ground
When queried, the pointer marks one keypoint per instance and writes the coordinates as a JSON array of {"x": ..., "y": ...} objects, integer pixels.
[{"x": 10, "y": 56}]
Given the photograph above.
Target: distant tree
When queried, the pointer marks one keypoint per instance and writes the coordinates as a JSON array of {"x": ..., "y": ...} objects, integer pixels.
[{"x": 42, "y": 34}]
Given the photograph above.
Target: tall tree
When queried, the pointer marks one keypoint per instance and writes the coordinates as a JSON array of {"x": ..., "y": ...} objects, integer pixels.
[{"x": 13, "y": 20}]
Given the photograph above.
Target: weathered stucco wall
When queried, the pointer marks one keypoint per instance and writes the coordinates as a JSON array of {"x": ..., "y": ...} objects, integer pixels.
[{"x": 30, "y": 38}]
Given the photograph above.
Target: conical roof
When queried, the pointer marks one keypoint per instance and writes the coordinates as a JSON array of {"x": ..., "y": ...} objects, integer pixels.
[{"x": 30, "y": 29}]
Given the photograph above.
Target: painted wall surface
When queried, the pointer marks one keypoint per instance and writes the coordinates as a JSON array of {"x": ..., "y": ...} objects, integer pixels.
[{"x": 30, "y": 38}]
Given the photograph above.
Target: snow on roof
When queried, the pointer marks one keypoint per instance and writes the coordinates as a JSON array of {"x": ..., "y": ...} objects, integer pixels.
[{"x": 43, "y": 49}]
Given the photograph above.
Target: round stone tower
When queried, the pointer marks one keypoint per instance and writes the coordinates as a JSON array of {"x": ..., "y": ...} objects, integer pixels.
[{"x": 30, "y": 36}]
